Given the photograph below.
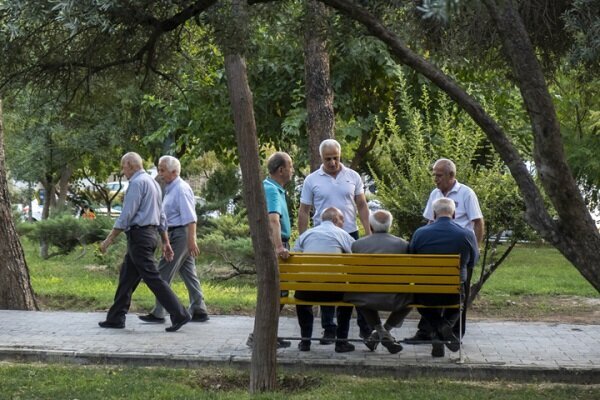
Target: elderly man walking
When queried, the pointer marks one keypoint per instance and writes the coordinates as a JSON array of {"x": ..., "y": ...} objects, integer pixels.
[
  {"x": 179, "y": 207},
  {"x": 141, "y": 219}
]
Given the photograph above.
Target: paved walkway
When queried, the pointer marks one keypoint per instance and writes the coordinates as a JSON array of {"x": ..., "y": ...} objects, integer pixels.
[{"x": 493, "y": 349}]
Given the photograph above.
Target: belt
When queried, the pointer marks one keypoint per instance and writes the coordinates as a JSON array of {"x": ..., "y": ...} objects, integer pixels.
[
  {"x": 172, "y": 228},
  {"x": 136, "y": 227}
]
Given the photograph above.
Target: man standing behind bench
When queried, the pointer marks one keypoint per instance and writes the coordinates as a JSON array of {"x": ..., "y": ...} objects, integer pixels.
[
  {"x": 141, "y": 219},
  {"x": 328, "y": 237},
  {"x": 179, "y": 206},
  {"x": 444, "y": 236},
  {"x": 281, "y": 171}
]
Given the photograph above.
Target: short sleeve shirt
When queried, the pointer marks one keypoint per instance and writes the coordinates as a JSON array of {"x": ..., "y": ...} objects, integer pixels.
[
  {"x": 276, "y": 203},
  {"x": 179, "y": 203},
  {"x": 465, "y": 200},
  {"x": 322, "y": 191},
  {"x": 325, "y": 238}
]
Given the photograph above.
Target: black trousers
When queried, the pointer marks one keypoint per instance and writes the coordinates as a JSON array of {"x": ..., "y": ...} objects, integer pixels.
[
  {"x": 306, "y": 316},
  {"x": 139, "y": 263}
]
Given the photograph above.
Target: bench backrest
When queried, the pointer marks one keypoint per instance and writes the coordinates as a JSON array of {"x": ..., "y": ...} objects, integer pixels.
[{"x": 371, "y": 273}]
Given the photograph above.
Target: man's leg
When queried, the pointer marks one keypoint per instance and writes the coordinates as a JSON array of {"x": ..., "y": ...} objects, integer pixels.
[
  {"x": 305, "y": 320},
  {"x": 328, "y": 324},
  {"x": 344, "y": 314},
  {"x": 143, "y": 244},
  {"x": 128, "y": 282},
  {"x": 168, "y": 269},
  {"x": 192, "y": 283}
]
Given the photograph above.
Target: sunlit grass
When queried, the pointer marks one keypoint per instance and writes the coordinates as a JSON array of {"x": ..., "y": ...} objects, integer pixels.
[{"x": 40, "y": 381}]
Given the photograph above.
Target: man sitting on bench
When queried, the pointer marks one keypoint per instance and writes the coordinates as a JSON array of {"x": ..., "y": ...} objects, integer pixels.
[
  {"x": 328, "y": 237},
  {"x": 369, "y": 304},
  {"x": 444, "y": 236}
]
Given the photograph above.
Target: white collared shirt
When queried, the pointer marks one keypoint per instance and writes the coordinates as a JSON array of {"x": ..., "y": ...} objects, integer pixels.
[{"x": 465, "y": 200}]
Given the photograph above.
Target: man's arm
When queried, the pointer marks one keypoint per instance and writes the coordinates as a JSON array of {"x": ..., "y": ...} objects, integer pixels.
[
  {"x": 191, "y": 239},
  {"x": 363, "y": 212},
  {"x": 109, "y": 239},
  {"x": 479, "y": 229},
  {"x": 303, "y": 215},
  {"x": 275, "y": 230}
]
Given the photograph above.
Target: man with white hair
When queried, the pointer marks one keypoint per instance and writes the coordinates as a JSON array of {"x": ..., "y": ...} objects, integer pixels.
[
  {"x": 380, "y": 241},
  {"x": 444, "y": 236},
  {"x": 334, "y": 185},
  {"x": 328, "y": 237},
  {"x": 179, "y": 207},
  {"x": 141, "y": 219},
  {"x": 468, "y": 215}
]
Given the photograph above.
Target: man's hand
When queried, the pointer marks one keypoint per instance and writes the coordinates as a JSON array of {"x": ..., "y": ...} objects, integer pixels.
[
  {"x": 193, "y": 247},
  {"x": 167, "y": 251},
  {"x": 104, "y": 245},
  {"x": 282, "y": 252}
]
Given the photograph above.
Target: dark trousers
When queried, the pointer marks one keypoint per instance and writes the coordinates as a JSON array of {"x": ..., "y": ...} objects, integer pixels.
[
  {"x": 424, "y": 327},
  {"x": 433, "y": 318},
  {"x": 139, "y": 264},
  {"x": 328, "y": 313},
  {"x": 306, "y": 317}
]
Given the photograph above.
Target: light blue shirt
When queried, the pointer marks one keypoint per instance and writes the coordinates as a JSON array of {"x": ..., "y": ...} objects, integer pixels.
[
  {"x": 142, "y": 204},
  {"x": 179, "y": 204},
  {"x": 325, "y": 238}
]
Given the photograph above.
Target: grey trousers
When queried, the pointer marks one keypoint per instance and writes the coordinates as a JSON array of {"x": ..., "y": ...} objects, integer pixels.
[{"x": 185, "y": 264}]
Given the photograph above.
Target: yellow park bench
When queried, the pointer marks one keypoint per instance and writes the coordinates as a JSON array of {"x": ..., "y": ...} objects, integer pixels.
[{"x": 371, "y": 273}]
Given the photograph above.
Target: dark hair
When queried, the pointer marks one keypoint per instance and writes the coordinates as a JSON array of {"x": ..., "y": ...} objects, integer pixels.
[{"x": 276, "y": 161}]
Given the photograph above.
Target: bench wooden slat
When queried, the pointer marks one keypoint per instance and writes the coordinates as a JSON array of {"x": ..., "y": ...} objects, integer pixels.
[
  {"x": 362, "y": 278},
  {"x": 370, "y": 288},
  {"x": 294, "y": 301},
  {"x": 365, "y": 269},
  {"x": 374, "y": 259}
]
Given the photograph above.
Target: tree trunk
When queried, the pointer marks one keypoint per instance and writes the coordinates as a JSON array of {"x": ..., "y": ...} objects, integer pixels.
[
  {"x": 574, "y": 233},
  {"x": 15, "y": 287},
  {"x": 320, "y": 124},
  {"x": 264, "y": 352},
  {"x": 63, "y": 186}
]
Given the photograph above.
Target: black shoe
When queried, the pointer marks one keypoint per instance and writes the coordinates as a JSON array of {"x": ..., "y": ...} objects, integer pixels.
[
  {"x": 364, "y": 334},
  {"x": 446, "y": 333},
  {"x": 113, "y": 325},
  {"x": 151, "y": 318},
  {"x": 437, "y": 348},
  {"x": 343, "y": 347},
  {"x": 372, "y": 341},
  {"x": 392, "y": 347},
  {"x": 200, "y": 317},
  {"x": 420, "y": 336},
  {"x": 328, "y": 338},
  {"x": 304, "y": 345},
  {"x": 175, "y": 327}
]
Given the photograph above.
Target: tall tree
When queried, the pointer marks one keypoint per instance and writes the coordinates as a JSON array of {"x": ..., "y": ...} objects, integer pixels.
[
  {"x": 320, "y": 120},
  {"x": 573, "y": 233},
  {"x": 15, "y": 287},
  {"x": 264, "y": 357}
]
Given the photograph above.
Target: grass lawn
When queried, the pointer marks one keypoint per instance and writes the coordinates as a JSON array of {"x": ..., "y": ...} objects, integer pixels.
[{"x": 41, "y": 381}]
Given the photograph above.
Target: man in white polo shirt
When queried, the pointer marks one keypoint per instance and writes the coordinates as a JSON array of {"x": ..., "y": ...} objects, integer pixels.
[
  {"x": 334, "y": 185},
  {"x": 467, "y": 214}
]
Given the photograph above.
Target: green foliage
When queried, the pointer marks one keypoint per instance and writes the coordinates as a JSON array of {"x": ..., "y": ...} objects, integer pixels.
[
  {"x": 228, "y": 241},
  {"x": 66, "y": 232},
  {"x": 414, "y": 135},
  {"x": 582, "y": 21}
]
